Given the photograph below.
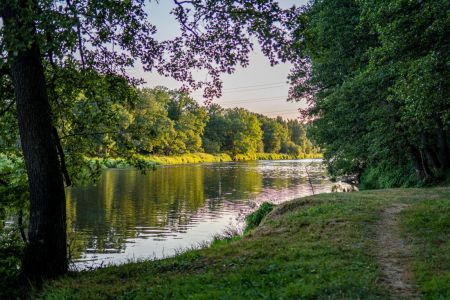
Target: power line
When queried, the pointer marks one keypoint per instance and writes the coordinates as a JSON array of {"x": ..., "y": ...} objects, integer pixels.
[
  {"x": 254, "y": 100},
  {"x": 257, "y": 85},
  {"x": 251, "y": 87},
  {"x": 279, "y": 111}
]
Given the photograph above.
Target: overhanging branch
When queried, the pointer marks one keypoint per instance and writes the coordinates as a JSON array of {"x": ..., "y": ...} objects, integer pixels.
[{"x": 62, "y": 159}]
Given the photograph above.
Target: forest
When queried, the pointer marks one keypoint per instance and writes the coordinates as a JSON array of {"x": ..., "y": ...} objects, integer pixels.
[
  {"x": 156, "y": 122},
  {"x": 374, "y": 75}
]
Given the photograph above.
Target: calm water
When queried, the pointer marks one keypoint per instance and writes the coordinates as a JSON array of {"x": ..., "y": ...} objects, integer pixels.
[{"x": 129, "y": 215}]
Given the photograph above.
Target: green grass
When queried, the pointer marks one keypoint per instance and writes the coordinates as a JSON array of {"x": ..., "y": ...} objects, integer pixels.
[
  {"x": 189, "y": 158},
  {"x": 273, "y": 156},
  {"x": 426, "y": 225},
  {"x": 319, "y": 247},
  {"x": 255, "y": 218}
]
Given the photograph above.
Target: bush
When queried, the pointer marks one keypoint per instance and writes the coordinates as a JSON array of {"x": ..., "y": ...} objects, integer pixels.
[
  {"x": 382, "y": 177},
  {"x": 11, "y": 250},
  {"x": 254, "y": 219}
]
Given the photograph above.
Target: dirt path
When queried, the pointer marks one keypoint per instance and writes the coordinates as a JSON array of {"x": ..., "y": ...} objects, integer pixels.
[{"x": 392, "y": 254}]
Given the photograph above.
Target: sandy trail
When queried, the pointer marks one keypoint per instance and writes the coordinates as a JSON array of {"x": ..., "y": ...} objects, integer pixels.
[{"x": 392, "y": 254}]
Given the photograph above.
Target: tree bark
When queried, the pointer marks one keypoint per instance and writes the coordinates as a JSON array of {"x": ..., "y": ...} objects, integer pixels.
[
  {"x": 443, "y": 149},
  {"x": 416, "y": 158},
  {"x": 46, "y": 251}
]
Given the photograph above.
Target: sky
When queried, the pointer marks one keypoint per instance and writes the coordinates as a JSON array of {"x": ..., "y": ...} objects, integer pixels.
[{"x": 259, "y": 88}]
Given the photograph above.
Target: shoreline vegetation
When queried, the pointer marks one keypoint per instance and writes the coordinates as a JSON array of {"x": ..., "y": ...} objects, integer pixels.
[
  {"x": 192, "y": 158},
  {"x": 371, "y": 82},
  {"x": 321, "y": 246}
]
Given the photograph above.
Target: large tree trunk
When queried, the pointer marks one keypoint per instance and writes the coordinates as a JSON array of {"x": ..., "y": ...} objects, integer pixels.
[
  {"x": 443, "y": 149},
  {"x": 419, "y": 166},
  {"x": 46, "y": 251}
]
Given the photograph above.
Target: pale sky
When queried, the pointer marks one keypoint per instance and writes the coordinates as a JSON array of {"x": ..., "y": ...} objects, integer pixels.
[{"x": 259, "y": 87}]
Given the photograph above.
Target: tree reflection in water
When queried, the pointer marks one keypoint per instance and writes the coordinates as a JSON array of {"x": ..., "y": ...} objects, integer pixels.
[{"x": 132, "y": 215}]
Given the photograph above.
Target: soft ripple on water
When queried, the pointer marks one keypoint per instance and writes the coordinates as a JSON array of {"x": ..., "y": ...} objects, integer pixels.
[{"x": 129, "y": 216}]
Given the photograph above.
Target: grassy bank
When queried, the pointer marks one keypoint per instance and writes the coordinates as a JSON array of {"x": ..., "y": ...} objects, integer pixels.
[
  {"x": 273, "y": 156},
  {"x": 316, "y": 247},
  {"x": 192, "y": 158},
  {"x": 189, "y": 158}
]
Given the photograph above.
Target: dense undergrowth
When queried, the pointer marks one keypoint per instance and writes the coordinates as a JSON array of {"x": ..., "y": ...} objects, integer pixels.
[{"x": 311, "y": 248}]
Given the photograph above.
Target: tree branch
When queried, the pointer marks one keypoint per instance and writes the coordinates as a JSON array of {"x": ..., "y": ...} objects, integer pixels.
[
  {"x": 94, "y": 133},
  {"x": 20, "y": 224},
  {"x": 183, "y": 22},
  {"x": 80, "y": 40},
  {"x": 62, "y": 159}
]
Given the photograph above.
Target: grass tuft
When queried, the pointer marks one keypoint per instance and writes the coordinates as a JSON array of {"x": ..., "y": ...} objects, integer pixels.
[{"x": 254, "y": 219}]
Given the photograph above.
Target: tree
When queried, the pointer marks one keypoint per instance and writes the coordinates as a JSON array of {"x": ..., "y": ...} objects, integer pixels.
[
  {"x": 245, "y": 134},
  {"x": 216, "y": 130},
  {"x": 274, "y": 135},
  {"x": 45, "y": 253},
  {"x": 373, "y": 73},
  {"x": 50, "y": 43},
  {"x": 190, "y": 121},
  {"x": 152, "y": 130}
]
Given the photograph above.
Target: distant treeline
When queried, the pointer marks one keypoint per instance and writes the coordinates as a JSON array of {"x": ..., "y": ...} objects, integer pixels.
[
  {"x": 111, "y": 124},
  {"x": 165, "y": 122}
]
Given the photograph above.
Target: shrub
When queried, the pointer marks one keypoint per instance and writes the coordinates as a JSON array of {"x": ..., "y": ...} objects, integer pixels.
[
  {"x": 11, "y": 250},
  {"x": 254, "y": 219}
]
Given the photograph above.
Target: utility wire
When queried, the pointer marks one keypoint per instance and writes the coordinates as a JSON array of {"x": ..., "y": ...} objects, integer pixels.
[
  {"x": 254, "y": 100},
  {"x": 251, "y": 88},
  {"x": 257, "y": 85},
  {"x": 279, "y": 111}
]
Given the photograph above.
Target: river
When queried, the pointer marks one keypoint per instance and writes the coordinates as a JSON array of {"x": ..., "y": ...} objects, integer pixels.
[{"x": 129, "y": 216}]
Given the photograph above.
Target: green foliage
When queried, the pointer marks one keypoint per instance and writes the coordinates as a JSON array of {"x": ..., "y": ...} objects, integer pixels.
[
  {"x": 376, "y": 73},
  {"x": 190, "y": 158},
  {"x": 385, "y": 176},
  {"x": 11, "y": 251},
  {"x": 106, "y": 123},
  {"x": 244, "y": 132},
  {"x": 274, "y": 135},
  {"x": 246, "y": 135},
  {"x": 254, "y": 219},
  {"x": 13, "y": 184},
  {"x": 79, "y": 52}
]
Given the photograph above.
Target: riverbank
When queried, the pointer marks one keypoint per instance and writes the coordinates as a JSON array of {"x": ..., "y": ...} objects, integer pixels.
[
  {"x": 194, "y": 158},
  {"x": 324, "y": 246}
]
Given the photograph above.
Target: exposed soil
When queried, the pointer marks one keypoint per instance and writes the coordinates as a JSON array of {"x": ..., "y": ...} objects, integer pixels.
[{"x": 393, "y": 254}]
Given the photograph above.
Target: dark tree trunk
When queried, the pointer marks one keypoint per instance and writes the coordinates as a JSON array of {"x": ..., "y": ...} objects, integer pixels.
[
  {"x": 443, "y": 149},
  {"x": 429, "y": 150},
  {"x": 46, "y": 251},
  {"x": 418, "y": 163}
]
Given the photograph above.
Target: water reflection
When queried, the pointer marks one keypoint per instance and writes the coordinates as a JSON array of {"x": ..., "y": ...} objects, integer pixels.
[{"x": 129, "y": 215}]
